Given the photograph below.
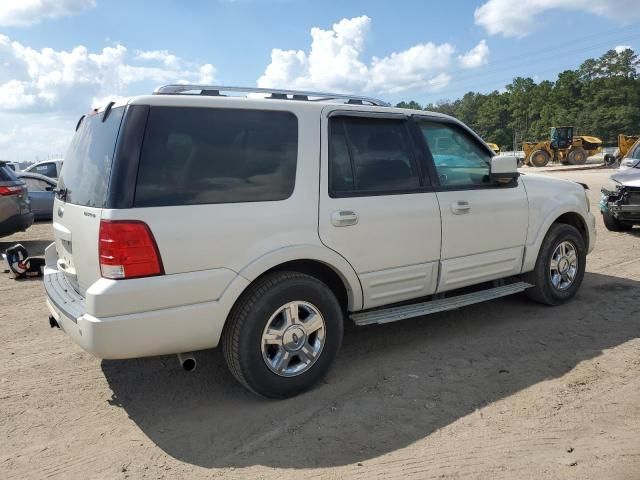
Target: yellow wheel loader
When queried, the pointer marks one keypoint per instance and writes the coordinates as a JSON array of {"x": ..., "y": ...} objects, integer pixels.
[
  {"x": 494, "y": 147},
  {"x": 563, "y": 147},
  {"x": 625, "y": 142}
]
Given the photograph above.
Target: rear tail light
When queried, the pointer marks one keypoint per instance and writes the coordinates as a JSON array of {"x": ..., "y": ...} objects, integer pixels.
[
  {"x": 6, "y": 191},
  {"x": 127, "y": 249}
]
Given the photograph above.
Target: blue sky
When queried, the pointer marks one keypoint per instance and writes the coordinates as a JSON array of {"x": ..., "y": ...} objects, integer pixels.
[{"x": 60, "y": 57}]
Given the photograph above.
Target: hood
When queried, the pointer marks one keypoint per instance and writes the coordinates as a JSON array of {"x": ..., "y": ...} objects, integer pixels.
[
  {"x": 629, "y": 177},
  {"x": 546, "y": 180}
]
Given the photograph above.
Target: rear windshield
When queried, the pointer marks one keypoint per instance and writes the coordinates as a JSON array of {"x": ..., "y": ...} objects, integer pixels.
[
  {"x": 87, "y": 164},
  {"x": 206, "y": 155},
  {"x": 6, "y": 174}
]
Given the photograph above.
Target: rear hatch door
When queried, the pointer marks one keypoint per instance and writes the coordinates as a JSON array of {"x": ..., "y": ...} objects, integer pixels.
[{"x": 81, "y": 195}]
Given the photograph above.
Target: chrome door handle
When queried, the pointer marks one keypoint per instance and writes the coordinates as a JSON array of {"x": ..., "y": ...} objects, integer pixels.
[
  {"x": 460, "y": 207},
  {"x": 344, "y": 218}
]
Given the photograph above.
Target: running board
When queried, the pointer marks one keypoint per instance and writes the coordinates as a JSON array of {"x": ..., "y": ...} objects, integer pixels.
[{"x": 393, "y": 314}]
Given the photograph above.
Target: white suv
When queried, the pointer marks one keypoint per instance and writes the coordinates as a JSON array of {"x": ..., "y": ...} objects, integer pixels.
[{"x": 191, "y": 218}]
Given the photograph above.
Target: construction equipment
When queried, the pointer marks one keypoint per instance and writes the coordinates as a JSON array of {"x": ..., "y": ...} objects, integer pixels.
[
  {"x": 563, "y": 146},
  {"x": 625, "y": 142},
  {"x": 494, "y": 147}
]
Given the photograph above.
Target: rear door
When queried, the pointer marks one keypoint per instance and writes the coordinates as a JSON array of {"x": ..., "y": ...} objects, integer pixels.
[
  {"x": 377, "y": 210},
  {"x": 484, "y": 226},
  {"x": 82, "y": 192}
]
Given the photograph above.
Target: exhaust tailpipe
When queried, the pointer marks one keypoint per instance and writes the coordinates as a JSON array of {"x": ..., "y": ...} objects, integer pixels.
[{"x": 187, "y": 361}]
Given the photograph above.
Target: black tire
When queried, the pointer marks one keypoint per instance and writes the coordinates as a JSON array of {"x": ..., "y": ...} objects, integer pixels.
[
  {"x": 539, "y": 158},
  {"x": 544, "y": 291},
  {"x": 242, "y": 337},
  {"x": 577, "y": 156},
  {"x": 615, "y": 225}
]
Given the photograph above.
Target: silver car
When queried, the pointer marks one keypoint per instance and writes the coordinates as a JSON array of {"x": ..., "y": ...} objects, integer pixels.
[
  {"x": 15, "y": 207},
  {"x": 620, "y": 199},
  {"x": 41, "y": 193}
]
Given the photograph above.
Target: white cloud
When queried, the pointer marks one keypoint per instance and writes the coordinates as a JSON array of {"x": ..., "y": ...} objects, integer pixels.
[
  {"x": 163, "y": 56},
  {"x": 519, "y": 18},
  {"x": 622, "y": 48},
  {"x": 27, "y": 12},
  {"x": 334, "y": 62},
  {"x": 476, "y": 57},
  {"x": 44, "y": 92},
  {"x": 52, "y": 80}
]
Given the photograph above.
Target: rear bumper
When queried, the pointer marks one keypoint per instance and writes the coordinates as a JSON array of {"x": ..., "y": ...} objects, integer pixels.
[
  {"x": 157, "y": 332},
  {"x": 17, "y": 223}
]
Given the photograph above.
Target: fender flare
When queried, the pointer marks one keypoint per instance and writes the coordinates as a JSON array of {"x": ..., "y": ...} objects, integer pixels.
[
  {"x": 532, "y": 249},
  {"x": 317, "y": 253}
]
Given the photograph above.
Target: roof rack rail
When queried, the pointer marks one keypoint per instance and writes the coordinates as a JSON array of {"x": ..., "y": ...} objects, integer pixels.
[{"x": 273, "y": 93}]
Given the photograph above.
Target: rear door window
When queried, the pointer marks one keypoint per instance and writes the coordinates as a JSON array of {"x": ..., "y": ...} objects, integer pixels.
[
  {"x": 370, "y": 156},
  {"x": 212, "y": 155},
  {"x": 87, "y": 164}
]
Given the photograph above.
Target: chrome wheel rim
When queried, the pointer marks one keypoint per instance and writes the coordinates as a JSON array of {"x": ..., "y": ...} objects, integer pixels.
[
  {"x": 563, "y": 266},
  {"x": 293, "y": 339}
]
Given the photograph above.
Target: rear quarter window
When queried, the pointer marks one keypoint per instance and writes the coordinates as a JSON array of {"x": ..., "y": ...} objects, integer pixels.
[
  {"x": 212, "y": 155},
  {"x": 7, "y": 175}
]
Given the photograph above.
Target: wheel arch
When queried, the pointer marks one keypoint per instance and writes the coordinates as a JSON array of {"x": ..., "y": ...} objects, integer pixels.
[
  {"x": 565, "y": 216},
  {"x": 322, "y": 263}
]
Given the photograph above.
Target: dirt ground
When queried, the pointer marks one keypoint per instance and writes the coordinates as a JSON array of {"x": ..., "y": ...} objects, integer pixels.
[{"x": 502, "y": 390}]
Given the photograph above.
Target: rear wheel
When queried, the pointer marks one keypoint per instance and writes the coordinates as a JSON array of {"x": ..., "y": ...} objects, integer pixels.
[
  {"x": 560, "y": 266},
  {"x": 615, "y": 225},
  {"x": 577, "y": 156},
  {"x": 283, "y": 334},
  {"x": 539, "y": 158}
]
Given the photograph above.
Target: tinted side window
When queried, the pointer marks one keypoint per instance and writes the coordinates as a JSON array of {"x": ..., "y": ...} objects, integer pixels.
[
  {"x": 370, "y": 155},
  {"x": 207, "y": 155},
  {"x": 48, "y": 169},
  {"x": 459, "y": 159}
]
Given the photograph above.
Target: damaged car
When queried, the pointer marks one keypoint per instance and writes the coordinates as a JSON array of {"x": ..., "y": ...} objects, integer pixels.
[{"x": 620, "y": 200}]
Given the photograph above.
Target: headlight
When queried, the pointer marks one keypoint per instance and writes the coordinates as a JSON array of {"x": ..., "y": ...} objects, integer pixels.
[{"x": 611, "y": 185}]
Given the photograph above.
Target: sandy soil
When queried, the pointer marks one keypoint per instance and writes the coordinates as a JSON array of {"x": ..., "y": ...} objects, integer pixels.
[{"x": 507, "y": 389}]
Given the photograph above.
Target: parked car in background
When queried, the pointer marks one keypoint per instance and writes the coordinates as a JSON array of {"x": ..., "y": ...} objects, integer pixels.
[
  {"x": 49, "y": 168},
  {"x": 15, "y": 208},
  {"x": 620, "y": 199},
  {"x": 41, "y": 193}
]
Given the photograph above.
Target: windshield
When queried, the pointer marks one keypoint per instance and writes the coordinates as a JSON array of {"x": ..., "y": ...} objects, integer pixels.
[{"x": 87, "y": 164}]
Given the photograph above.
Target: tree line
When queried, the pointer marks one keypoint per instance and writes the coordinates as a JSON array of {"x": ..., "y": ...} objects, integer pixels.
[{"x": 601, "y": 98}]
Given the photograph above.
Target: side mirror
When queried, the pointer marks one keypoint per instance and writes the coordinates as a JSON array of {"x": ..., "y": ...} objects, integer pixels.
[
  {"x": 50, "y": 189},
  {"x": 504, "y": 169}
]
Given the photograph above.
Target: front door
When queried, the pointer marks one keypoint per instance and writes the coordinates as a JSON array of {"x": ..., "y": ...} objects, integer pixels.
[
  {"x": 484, "y": 226},
  {"x": 377, "y": 210}
]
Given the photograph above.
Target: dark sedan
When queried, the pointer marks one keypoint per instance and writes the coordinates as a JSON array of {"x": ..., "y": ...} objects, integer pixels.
[{"x": 41, "y": 193}]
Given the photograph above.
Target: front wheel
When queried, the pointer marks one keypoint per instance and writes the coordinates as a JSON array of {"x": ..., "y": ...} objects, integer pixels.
[
  {"x": 560, "y": 266},
  {"x": 283, "y": 334}
]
